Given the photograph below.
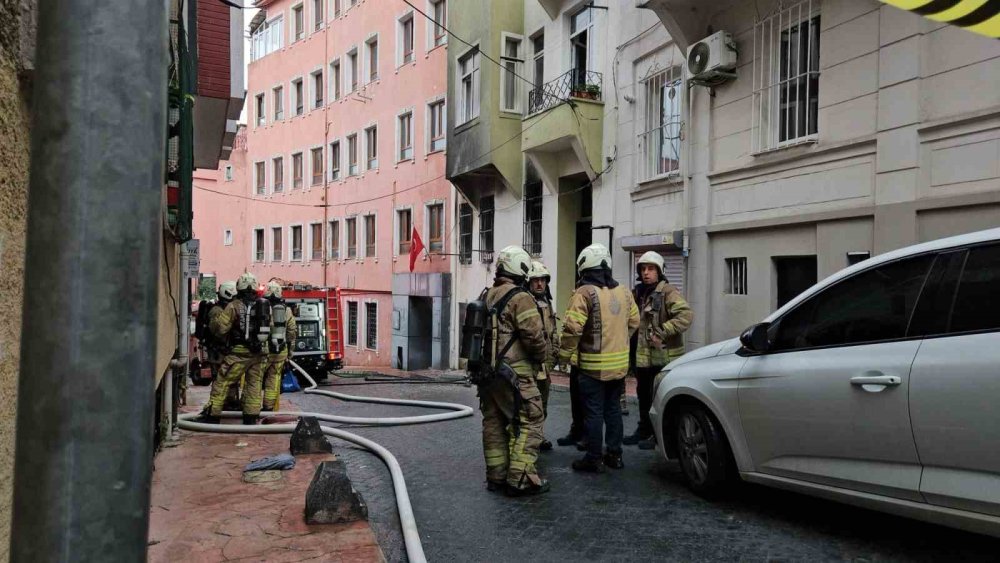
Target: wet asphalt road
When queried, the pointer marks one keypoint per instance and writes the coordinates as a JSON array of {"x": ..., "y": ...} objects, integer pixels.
[{"x": 641, "y": 513}]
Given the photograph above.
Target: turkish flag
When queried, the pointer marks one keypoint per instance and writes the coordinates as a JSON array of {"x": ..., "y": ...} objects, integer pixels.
[{"x": 416, "y": 247}]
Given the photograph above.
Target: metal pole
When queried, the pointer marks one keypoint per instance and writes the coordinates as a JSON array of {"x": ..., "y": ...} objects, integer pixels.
[{"x": 83, "y": 462}]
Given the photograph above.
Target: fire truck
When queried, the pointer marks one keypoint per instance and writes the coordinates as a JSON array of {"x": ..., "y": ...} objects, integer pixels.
[{"x": 319, "y": 346}]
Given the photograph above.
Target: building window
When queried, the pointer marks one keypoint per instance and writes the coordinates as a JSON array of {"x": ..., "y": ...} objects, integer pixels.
[
  {"x": 334, "y": 240},
  {"x": 297, "y": 171},
  {"x": 369, "y": 236},
  {"x": 276, "y": 241},
  {"x": 786, "y": 77},
  {"x": 486, "y": 206},
  {"x": 352, "y": 323},
  {"x": 352, "y": 61},
  {"x": 372, "y": 59},
  {"x": 316, "y": 239},
  {"x": 371, "y": 326},
  {"x": 439, "y": 10},
  {"x": 857, "y": 257},
  {"x": 336, "y": 8},
  {"x": 258, "y": 245},
  {"x": 278, "y": 171},
  {"x": 299, "y": 96},
  {"x": 538, "y": 59},
  {"x": 736, "y": 280},
  {"x": 267, "y": 38},
  {"x": 227, "y": 237},
  {"x": 228, "y": 173},
  {"x": 335, "y": 79},
  {"x": 438, "y": 127},
  {"x": 406, "y": 136},
  {"x": 352, "y": 155},
  {"x": 260, "y": 178},
  {"x": 406, "y": 39},
  {"x": 317, "y": 166},
  {"x": 297, "y": 242},
  {"x": 581, "y": 27},
  {"x": 279, "y": 103},
  {"x": 318, "y": 14},
  {"x": 793, "y": 275},
  {"x": 435, "y": 227},
  {"x": 465, "y": 233},
  {"x": 317, "y": 78},
  {"x": 298, "y": 21},
  {"x": 468, "y": 71},
  {"x": 335, "y": 160},
  {"x": 405, "y": 229},
  {"x": 509, "y": 76},
  {"x": 533, "y": 218},
  {"x": 261, "y": 118},
  {"x": 660, "y": 141},
  {"x": 371, "y": 147},
  {"x": 352, "y": 238}
]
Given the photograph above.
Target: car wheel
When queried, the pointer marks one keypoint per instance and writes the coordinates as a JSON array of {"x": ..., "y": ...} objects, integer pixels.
[{"x": 702, "y": 449}]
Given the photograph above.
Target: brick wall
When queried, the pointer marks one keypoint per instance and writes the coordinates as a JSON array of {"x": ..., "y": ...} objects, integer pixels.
[{"x": 213, "y": 49}]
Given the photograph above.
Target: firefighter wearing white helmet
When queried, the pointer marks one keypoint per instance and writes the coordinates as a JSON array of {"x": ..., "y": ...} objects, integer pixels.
[
  {"x": 597, "y": 327},
  {"x": 664, "y": 316},
  {"x": 538, "y": 283},
  {"x": 283, "y": 333},
  {"x": 511, "y": 403},
  {"x": 216, "y": 348}
]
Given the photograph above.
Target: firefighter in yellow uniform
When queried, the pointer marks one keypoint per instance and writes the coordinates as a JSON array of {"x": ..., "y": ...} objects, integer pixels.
[
  {"x": 276, "y": 360},
  {"x": 664, "y": 317},
  {"x": 538, "y": 284},
  {"x": 512, "y": 409},
  {"x": 242, "y": 361},
  {"x": 598, "y": 325}
]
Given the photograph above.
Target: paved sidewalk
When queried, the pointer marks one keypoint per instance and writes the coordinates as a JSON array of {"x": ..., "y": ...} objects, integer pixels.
[{"x": 201, "y": 509}]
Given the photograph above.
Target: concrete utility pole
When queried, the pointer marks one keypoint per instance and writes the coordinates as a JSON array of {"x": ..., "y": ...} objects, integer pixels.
[{"x": 85, "y": 404}]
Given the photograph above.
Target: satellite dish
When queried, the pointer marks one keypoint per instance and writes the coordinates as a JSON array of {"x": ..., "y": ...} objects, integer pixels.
[{"x": 698, "y": 59}]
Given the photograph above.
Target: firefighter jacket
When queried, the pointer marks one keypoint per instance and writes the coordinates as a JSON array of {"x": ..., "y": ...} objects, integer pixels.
[
  {"x": 228, "y": 326},
  {"x": 217, "y": 347},
  {"x": 664, "y": 317},
  {"x": 550, "y": 325},
  {"x": 598, "y": 325},
  {"x": 520, "y": 316}
]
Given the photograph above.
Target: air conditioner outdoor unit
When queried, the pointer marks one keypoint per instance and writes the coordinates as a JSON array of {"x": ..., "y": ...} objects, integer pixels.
[{"x": 713, "y": 59}]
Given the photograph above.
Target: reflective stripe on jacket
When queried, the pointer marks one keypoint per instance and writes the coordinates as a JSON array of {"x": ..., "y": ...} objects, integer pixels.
[
  {"x": 665, "y": 314},
  {"x": 598, "y": 326}
]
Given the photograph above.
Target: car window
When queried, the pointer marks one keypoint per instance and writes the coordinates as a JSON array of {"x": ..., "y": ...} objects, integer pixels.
[
  {"x": 871, "y": 306},
  {"x": 977, "y": 306},
  {"x": 934, "y": 307}
]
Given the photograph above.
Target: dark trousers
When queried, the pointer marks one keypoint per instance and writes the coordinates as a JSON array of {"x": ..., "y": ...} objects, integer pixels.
[
  {"x": 576, "y": 427},
  {"x": 644, "y": 388},
  {"x": 602, "y": 402}
]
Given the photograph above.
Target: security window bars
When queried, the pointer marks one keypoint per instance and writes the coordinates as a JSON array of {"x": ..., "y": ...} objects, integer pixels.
[
  {"x": 261, "y": 118},
  {"x": 406, "y": 136},
  {"x": 299, "y": 97},
  {"x": 261, "y": 180},
  {"x": 352, "y": 155},
  {"x": 352, "y": 237},
  {"x": 465, "y": 233},
  {"x": 511, "y": 60},
  {"x": 297, "y": 171},
  {"x": 278, "y": 170},
  {"x": 316, "y": 236},
  {"x": 318, "y": 14},
  {"x": 276, "y": 237},
  {"x": 371, "y": 326},
  {"x": 437, "y": 125},
  {"x": 369, "y": 236},
  {"x": 334, "y": 240},
  {"x": 440, "y": 13},
  {"x": 317, "y": 89},
  {"x": 335, "y": 160},
  {"x": 486, "y": 210},
  {"x": 736, "y": 281},
  {"x": 352, "y": 323},
  {"x": 468, "y": 71},
  {"x": 298, "y": 17},
  {"x": 317, "y": 166},
  {"x": 335, "y": 79},
  {"x": 435, "y": 216},
  {"x": 660, "y": 143},
  {"x": 533, "y": 218},
  {"x": 297, "y": 242},
  {"x": 258, "y": 245},
  {"x": 405, "y": 226},
  {"x": 371, "y": 147},
  {"x": 786, "y": 77},
  {"x": 406, "y": 39},
  {"x": 279, "y": 103}
]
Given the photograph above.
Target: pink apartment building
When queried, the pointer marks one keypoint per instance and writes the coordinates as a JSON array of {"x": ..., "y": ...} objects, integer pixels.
[{"x": 341, "y": 158}]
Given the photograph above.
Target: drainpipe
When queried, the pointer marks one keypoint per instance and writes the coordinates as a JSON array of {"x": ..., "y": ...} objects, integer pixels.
[{"x": 84, "y": 450}]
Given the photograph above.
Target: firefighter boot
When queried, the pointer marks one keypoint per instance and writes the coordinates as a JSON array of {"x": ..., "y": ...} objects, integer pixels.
[{"x": 250, "y": 420}]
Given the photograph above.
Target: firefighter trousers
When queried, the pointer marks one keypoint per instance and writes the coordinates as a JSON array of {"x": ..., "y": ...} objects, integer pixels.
[
  {"x": 511, "y": 452},
  {"x": 249, "y": 367},
  {"x": 272, "y": 379}
]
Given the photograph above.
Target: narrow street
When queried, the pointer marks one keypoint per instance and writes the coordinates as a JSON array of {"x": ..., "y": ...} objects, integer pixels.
[{"x": 642, "y": 513}]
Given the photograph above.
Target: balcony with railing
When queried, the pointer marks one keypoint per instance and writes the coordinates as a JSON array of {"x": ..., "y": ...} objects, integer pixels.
[{"x": 575, "y": 83}]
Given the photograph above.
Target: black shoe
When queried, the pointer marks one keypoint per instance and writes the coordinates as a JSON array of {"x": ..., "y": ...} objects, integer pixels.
[
  {"x": 529, "y": 490},
  {"x": 495, "y": 486},
  {"x": 648, "y": 443},
  {"x": 545, "y": 446},
  {"x": 588, "y": 465},
  {"x": 568, "y": 440},
  {"x": 205, "y": 418},
  {"x": 635, "y": 438},
  {"x": 249, "y": 420},
  {"x": 614, "y": 461},
  {"x": 582, "y": 445}
]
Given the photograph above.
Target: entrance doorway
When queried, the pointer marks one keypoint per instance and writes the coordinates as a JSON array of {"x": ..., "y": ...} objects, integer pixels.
[{"x": 421, "y": 327}]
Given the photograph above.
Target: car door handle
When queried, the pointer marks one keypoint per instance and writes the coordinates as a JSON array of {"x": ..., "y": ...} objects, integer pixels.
[{"x": 876, "y": 380}]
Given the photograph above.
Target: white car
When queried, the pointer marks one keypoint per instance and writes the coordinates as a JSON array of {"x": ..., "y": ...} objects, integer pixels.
[{"x": 879, "y": 387}]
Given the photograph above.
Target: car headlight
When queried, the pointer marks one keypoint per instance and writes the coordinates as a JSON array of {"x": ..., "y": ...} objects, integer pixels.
[{"x": 659, "y": 379}]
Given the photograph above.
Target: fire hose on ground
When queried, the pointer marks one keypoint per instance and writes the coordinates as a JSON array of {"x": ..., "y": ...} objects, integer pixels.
[{"x": 411, "y": 538}]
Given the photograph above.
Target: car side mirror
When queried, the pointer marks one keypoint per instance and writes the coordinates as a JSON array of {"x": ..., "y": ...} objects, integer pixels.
[{"x": 755, "y": 338}]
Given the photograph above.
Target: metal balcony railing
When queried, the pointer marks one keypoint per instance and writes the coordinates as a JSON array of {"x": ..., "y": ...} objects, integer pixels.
[{"x": 575, "y": 83}]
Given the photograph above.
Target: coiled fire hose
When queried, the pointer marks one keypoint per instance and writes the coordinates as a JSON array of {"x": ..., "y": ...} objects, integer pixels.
[{"x": 411, "y": 538}]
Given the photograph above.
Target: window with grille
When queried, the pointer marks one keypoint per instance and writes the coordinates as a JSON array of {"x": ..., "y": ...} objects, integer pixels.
[
  {"x": 334, "y": 240},
  {"x": 316, "y": 237},
  {"x": 437, "y": 125},
  {"x": 297, "y": 170},
  {"x": 298, "y": 17},
  {"x": 352, "y": 237},
  {"x": 405, "y": 229},
  {"x": 335, "y": 79},
  {"x": 297, "y": 242},
  {"x": 317, "y": 89},
  {"x": 279, "y": 103},
  {"x": 660, "y": 142},
  {"x": 258, "y": 245},
  {"x": 352, "y": 323},
  {"x": 276, "y": 242},
  {"x": 786, "y": 77},
  {"x": 371, "y": 326},
  {"x": 736, "y": 280},
  {"x": 509, "y": 81},
  {"x": 278, "y": 173},
  {"x": 352, "y": 155},
  {"x": 435, "y": 228},
  {"x": 465, "y": 233},
  {"x": 318, "y": 14},
  {"x": 533, "y": 218},
  {"x": 468, "y": 72},
  {"x": 261, "y": 118},
  {"x": 406, "y": 136},
  {"x": 486, "y": 208},
  {"x": 369, "y": 236},
  {"x": 317, "y": 166},
  {"x": 371, "y": 147},
  {"x": 260, "y": 178},
  {"x": 335, "y": 160},
  {"x": 372, "y": 59},
  {"x": 406, "y": 39},
  {"x": 440, "y": 14},
  {"x": 299, "y": 97}
]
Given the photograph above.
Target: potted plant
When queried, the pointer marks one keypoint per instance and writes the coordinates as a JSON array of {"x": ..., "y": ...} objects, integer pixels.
[{"x": 587, "y": 91}]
